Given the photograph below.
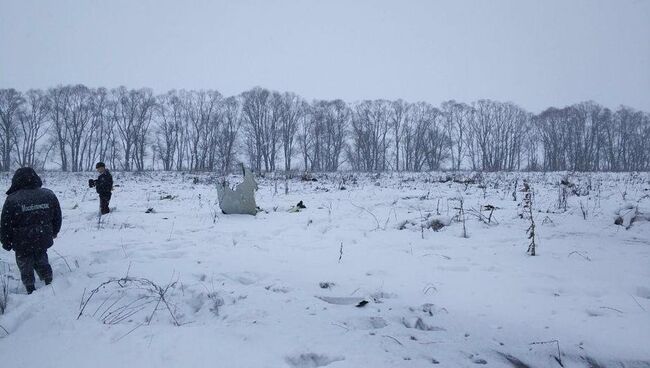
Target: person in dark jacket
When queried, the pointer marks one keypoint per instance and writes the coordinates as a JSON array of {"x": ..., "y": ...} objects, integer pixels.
[
  {"x": 103, "y": 185},
  {"x": 31, "y": 219}
]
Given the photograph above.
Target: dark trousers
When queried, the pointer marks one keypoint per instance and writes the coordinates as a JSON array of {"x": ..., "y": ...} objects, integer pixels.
[
  {"x": 104, "y": 200},
  {"x": 30, "y": 261}
]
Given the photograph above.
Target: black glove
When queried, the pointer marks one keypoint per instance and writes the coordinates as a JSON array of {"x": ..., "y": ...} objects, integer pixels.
[
  {"x": 6, "y": 247},
  {"x": 91, "y": 183}
]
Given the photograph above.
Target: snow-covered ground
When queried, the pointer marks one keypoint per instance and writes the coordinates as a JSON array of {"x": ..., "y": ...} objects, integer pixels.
[{"x": 285, "y": 289}]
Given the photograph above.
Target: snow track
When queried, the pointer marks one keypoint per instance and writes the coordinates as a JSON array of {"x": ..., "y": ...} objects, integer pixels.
[{"x": 285, "y": 289}]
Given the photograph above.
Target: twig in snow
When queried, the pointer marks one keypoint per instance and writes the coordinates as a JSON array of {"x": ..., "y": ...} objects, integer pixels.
[
  {"x": 580, "y": 254},
  {"x": 5, "y": 330},
  {"x": 388, "y": 218},
  {"x": 123, "y": 248},
  {"x": 392, "y": 338},
  {"x": 341, "y": 252},
  {"x": 614, "y": 309},
  {"x": 637, "y": 302},
  {"x": 63, "y": 258},
  {"x": 81, "y": 302},
  {"x": 461, "y": 214},
  {"x": 128, "y": 333},
  {"x": 329, "y": 211},
  {"x": 84, "y": 196},
  {"x": 547, "y": 220},
  {"x": 102, "y": 303},
  {"x": 116, "y": 313},
  {"x": 481, "y": 217},
  {"x": 426, "y": 289},
  {"x": 584, "y": 209},
  {"x": 371, "y": 214},
  {"x": 436, "y": 254},
  {"x": 528, "y": 210},
  {"x": 559, "y": 353},
  {"x": 170, "y": 232}
]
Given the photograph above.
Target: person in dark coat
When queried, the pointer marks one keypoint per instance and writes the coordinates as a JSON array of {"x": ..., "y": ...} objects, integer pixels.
[
  {"x": 31, "y": 219},
  {"x": 103, "y": 185}
]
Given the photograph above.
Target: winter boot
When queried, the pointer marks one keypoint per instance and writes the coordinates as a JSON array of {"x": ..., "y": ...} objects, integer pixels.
[{"x": 30, "y": 289}]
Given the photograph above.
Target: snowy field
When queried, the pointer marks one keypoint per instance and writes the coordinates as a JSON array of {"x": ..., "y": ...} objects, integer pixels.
[{"x": 357, "y": 279}]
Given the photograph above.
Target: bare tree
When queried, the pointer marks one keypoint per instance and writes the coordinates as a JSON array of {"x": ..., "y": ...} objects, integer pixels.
[
  {"x": 399, "y": 119},
  {"x": 262, "y": 111},
  {"x": 305, "y": 140},
  {"x": 495, "y": 135},
  {"x": 425, "y": 142},
  {"x": 548, "y": 125},
  {"x": 337, "y": 124},
  {"x": 370, "y": 125},
  {"x": 143, "y": 122},
  {"x": 10, "y": 104},
  {"x": 437, "y": 142},
  {"x": 272, "y": 132},
  {"x": 582, "y": 141},
  {"x": 169, "y": 115},
  {"x": 326, "y": 134},
  {"x": 228, "y": 134},
  {"x": 202, "y": 114},
  {"x": 131, "y": 113},
  {"x": 625, "y": 137},
  {"x": 200, "y": 130},
  {"x": 293, "y": 109},
  {"x": 100, "y": 142},
  {"x": 124, "y": 106},
  {"x": 58, "y": 101},
  {"x": 255, "y": 117},
  {"x": 457, "y": 117},
  {"x": 579, "y": 137},
  {"x": 77, "y": 121},
  {"x": 32, "y": 118}
]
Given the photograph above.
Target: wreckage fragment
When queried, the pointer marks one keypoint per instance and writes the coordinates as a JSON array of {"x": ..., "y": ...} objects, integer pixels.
[{"x": 242, "y": 199}]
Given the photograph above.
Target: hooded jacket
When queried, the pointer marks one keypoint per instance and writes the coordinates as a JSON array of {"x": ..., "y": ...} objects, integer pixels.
[
  {"x": 104, "y": 183},
  {"x": 31, "y": 215}
]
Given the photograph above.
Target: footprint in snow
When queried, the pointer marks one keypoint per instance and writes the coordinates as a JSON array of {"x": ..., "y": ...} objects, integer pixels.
[
  {"x": 278, "y": 288},
  {"x": 379, "y": 295},
  {"x": 245, "y": 278},
  {"x": 311, "y": 360},
  {"x": 476, "y": 359},
  {"x": 341, "y": 300},
  {"x": 429, "y": 309},
  {"x": 92, "y": 216},
  {"x": 419, "y": 324},
  {"x": 369, "y": 323}
]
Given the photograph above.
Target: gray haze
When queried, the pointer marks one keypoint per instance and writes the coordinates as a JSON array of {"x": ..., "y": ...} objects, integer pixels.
[{"x": 534, "y": 53}]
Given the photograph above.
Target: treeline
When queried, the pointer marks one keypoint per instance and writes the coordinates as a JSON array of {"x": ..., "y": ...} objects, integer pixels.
[{"x": 71, "y": 127}]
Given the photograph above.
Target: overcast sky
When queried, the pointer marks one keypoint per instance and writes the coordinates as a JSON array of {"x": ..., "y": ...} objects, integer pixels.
[{"x": 535, "y": 53}]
